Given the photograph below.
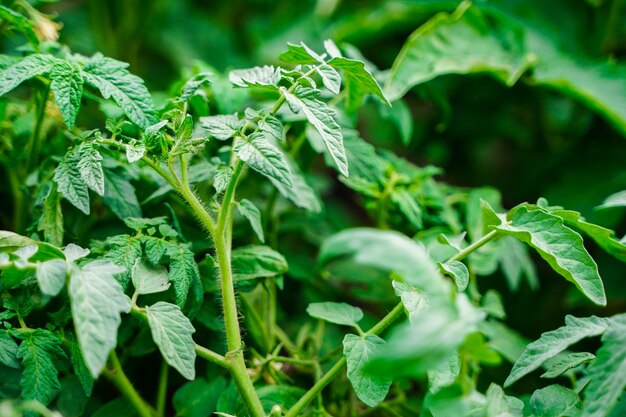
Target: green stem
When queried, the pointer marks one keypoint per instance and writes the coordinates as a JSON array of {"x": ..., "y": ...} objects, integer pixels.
[
  {"x": 474, "y": 246},
  {"x": 212, "y": 357},
  {"x": 34, "y": 145},
  {"x": 162, "y": 390},
  {"x": 386, "y": 321},
  {"x": 117, "y": 376},
  {"x": 377, "y": 329}
]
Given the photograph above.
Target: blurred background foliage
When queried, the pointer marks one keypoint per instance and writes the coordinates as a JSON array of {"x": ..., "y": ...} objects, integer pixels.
[{"x": 535, "y": 138}]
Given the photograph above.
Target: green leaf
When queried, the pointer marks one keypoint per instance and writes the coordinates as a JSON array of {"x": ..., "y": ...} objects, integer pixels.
[
  {"x": 445, "y": 374},
  {"x": 458, "y": 271},
  {"x": 408, "y": 206},
  {"x": 70, "y": 182},
  {"x": 413, "y": 300},
  {"x": 80, "y": 369},
  {"x": 555, "y": 401},
  {"x": 614, "y": 200},
  {"x": 222, "y": 126},
  {"x": 27, "y": 68},
  {"x": 300, "y": 193},
  {"x": 90, "y": 167},
  {"x": 554, "y": 342},
  {"x": 155, "y": 248},
  {"x": 251, "y": 262},
  {"x": 251, "y": 212},
  {"x": 97, "y": 302},
  {"x": 569, "y": 361},
  {"x": 40, "y": 379},
  {"x": 8, "y": 350},
  {"x": 193, "y": 85},
  {"x": 266, "y": 75},
  {"x": 120, "y": 196},
  {"x": 51, "y": 221},
  {"x": 359, "y": 81},
  {"x": 129, "y": 92},
  {"x": 388, "y": 251},
  {"x": 560, "y": 246},
  {"x": 66, "y": 83},
  {"x": 123, "y": 250},
  {"x": 338, "y": 313},
  {"x": 322, "y": 118},
  {"x": 148, "y": 278},
  {"x": 299, "y": 54},
  {"x": 330, "y": 78},
  {"x": 429, "y": 341},
  {"x": 172, "y": 331},
  {"x": 607, "y": 372},
  {"x": 372, "y": 390},
  {"x": 500, "y": 405},
  {"x": 51, "y": 276},
  {"x": 198, "y": 398},
  {"x": 184, "y": 274},
  {"x": 258, "y": 152},
  {"x": 17, "y": 21},
  {"x": 460, "y": 43}
]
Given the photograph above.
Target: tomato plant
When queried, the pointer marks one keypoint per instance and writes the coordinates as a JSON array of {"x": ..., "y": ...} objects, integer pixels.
[{"x": 263, "y": 242}]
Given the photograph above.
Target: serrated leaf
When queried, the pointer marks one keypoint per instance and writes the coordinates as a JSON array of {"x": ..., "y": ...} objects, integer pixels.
[
  {"x": 90, "y": 167},
  {"x": 134, "y": 152},
  {"x": 252, "y": 213},
  {"x": 123, "y": 250},
  {"x": 183, "y": 273},
  {"x": 114, "y": 81},
  {"x": 70, "y": 183},
  {"x": 338, "y": 313},
  {"x": 321, "y": 117},
  {"x": 66, "y": 83},
  {"x": 461, "y": 43},
  {"x": 445, "y": 374},
  {"x": 51, "y": 276},
  {"x": 27, "y": 68},
  {"x": 271, "y": 126},
  {"x": 554, "y": 342},
  {"x": 120, "y": 195},
  {"x": 261, "y": 155},
  {"x": 149, "y": 279},
  {"x": 80, "y": 369},
  {"x": 266, "y": 75},
  {"x": 299, "y": 54},
  {"x": 222, "y": 126},
  {"x": 459, "y": 272},
  {"x": 8, "y": 350},
  {"x": 97, "y": 301},
  {"x": 569, "y": 361},
  {"x": 155, "y": 248},
  {"x": 560, "y": 246},
  {"x": 359, "y": 82},
  {"x": 172, "y": 331},
  {"x": 555, "y": 401},
  {"x": 40, "y": 379},
  {"x": 607, "y": 372},
  {"x": 251, "y": 262},
  {"x": 330, "y": 78},
  {"x": 51, "y": 221},
  {"x": 372, "y": 390},
  {"x": 193, "y": 85}
]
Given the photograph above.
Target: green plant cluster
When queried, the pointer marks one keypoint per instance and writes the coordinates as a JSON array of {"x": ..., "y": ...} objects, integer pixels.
[{"x": 243, "y": 245}]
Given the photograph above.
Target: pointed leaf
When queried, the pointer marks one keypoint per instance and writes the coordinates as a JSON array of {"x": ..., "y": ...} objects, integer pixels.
[
  {"x": 261, "y": 155},
  {"x": 569, "y": 361},
  {"x": 27, "y": 68},
  {"x": 322, "y": 119},
  {"x": 560, "y": 246},
  {"x": 172, "y": 331},
  {"x": 251, "y": 212},
  {"x": 149, "y": 279},
  {"x": 8, "y": 350},
  {"x": 257, "y": 76},
  {"x": 359, "y": 82},
  {"x": 97, "y": 302},
  {"x": 372, "y": 390},
  {"x": 184, "y": 274},
  {"x": 222, "y": 126},
  {"x": 251, "y": 262},
  {"x": 554, "y": 342},
  {"x": 458, "y": 271},
  {"x": 70, "y": 183},
  {"x": 90, "y": 167},
  {"x": 66, "y": 83}
]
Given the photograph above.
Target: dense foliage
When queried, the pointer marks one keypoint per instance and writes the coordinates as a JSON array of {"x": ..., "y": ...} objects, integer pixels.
[{"x": 324, "y": 233}]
